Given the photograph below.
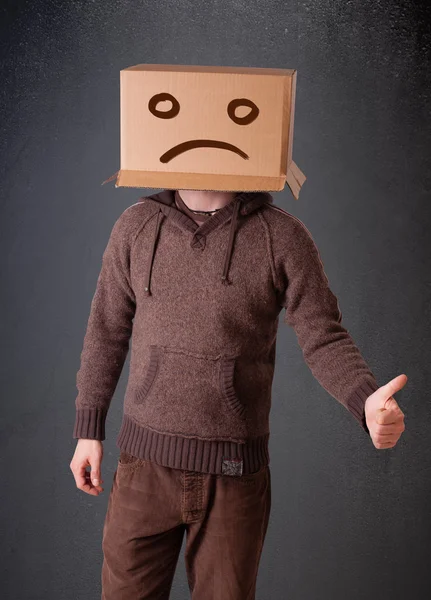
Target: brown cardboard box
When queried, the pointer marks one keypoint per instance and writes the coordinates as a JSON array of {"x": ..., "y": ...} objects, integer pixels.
[{"x": 207, "y": 128}]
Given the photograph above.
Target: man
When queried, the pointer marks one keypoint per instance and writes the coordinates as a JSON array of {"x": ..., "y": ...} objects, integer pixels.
[{"x": 197, "y": 279}]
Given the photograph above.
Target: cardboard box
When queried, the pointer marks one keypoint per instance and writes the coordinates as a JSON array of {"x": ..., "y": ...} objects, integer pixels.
[{"x": 207, "y": 128}]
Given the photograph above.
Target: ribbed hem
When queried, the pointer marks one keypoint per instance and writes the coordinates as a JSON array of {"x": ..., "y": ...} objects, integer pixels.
[
  {"x": 90, "y": 423},
  {"x": 192, "y": 454},
  {"x": 356, "y": 402}
]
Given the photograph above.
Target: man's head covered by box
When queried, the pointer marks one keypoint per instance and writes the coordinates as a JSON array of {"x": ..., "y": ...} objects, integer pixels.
[{"x": 207, "y": 128}]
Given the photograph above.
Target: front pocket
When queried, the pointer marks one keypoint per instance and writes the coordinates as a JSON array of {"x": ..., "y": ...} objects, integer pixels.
[
  {"x": 227, "y": 386},
  {"x": 128, "y": 461},
  {"x": 191, "y": 394},
  {"x": 150, "y": 375}
]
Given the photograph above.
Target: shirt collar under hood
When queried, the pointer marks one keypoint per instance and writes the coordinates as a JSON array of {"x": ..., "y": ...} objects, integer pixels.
[{"x": 243, "y": 204}]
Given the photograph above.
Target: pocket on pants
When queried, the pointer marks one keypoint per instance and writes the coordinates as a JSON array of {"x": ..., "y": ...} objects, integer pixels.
[
  {"x": 255, "y": 477},
  {"x": 127, "y": 461}
]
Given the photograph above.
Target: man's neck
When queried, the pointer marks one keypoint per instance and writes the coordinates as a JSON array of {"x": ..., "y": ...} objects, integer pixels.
[{"x": 206, "y": 200}]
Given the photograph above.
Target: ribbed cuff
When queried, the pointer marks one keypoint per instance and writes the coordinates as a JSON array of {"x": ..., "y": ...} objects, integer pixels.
[
  {"x": 355, "y": 403},
  {"x": 90, "y": 423}
]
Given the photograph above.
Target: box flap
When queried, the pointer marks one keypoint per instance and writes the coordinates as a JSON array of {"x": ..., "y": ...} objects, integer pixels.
[{"x": 295, "y": 179}]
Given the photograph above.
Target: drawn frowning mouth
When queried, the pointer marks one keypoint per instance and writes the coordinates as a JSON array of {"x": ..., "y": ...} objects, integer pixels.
[{"x": 184, "y": 146}]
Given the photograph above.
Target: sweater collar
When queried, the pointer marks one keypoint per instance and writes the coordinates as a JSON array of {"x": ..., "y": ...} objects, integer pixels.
[{"x": 242, "y": 205}]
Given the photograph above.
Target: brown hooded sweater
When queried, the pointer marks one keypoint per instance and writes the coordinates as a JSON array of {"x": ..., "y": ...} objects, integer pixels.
[{"x": 200, "y": 302}]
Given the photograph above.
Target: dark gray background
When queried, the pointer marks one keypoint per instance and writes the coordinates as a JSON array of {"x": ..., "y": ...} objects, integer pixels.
[{"x": 347, "y": 520}]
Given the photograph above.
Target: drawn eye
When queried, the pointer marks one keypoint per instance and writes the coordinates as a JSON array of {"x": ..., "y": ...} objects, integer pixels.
[
  {"x": 233, "y": 105},
  {"x": 164, "y": 114}
]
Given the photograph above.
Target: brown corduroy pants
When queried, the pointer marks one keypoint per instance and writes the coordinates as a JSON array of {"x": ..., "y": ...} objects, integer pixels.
[{"x": 150, "y": 507}]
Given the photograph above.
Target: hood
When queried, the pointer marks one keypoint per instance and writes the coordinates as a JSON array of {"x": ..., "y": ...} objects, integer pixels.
[{"x": 243, "y": 204}]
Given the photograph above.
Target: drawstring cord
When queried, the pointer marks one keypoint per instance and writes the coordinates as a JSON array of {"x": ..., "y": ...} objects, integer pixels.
[
  {"x": 230, "y": 242},
  {"x": 151, "y": 257}
]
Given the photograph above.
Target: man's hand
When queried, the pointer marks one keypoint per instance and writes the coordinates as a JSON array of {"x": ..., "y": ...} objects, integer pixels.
[
  {"x": 88, "y": 453},
  {"x": 384, "y": 418}
]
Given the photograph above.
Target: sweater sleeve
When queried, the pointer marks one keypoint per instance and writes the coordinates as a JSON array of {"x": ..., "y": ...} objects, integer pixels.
[
  {"x": 313, "y": 311},
  {"x": 106, "y": 341}
]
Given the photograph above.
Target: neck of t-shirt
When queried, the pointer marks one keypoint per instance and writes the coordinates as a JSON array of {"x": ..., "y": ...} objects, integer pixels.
[{"x": 199, "y": 216}]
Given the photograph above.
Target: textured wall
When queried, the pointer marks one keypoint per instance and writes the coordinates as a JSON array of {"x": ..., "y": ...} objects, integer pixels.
[{"x": 347, "y": 521}]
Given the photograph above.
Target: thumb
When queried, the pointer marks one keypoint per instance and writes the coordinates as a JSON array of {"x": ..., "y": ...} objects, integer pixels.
[
  {"x": 95, "y": 474},
  {"x": 393, "y": 386}
]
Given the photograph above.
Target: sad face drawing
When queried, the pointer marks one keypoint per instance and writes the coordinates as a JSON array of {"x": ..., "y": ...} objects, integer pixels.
[{"x": 199, "y": 143}]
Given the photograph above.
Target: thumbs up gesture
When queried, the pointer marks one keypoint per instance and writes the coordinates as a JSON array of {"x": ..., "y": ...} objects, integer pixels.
[{"x": 384, "y": 418}]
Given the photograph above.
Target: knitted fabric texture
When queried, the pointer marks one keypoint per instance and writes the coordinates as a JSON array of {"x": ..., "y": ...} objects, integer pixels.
[{"x": 199, "y": 305}]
